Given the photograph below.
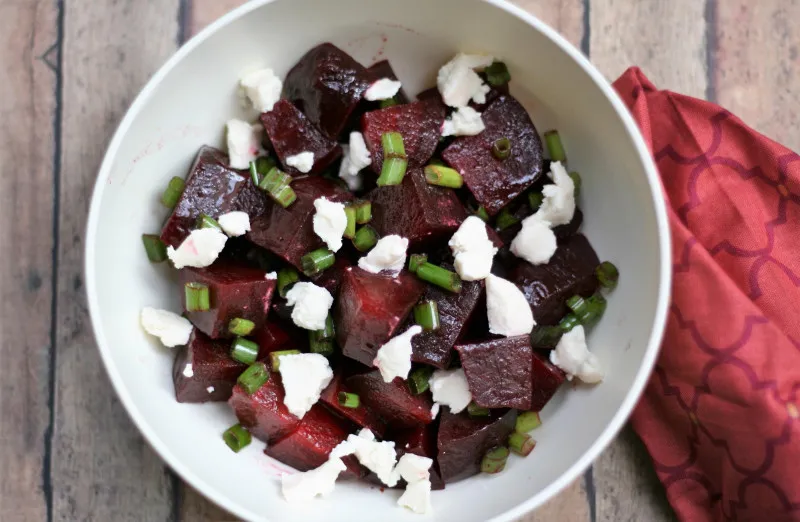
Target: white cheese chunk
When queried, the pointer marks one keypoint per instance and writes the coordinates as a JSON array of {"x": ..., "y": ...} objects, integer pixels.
[
  {"x": 360, "y": 156},
  {"x": 311, "y": 305},
  {"x": 466, "y": 121},
  {"x": 508, "y": 311},
  {"x": 188, "y": 371},
  {"x": 413, "y": 468},
  {"x": 435, "y": 410},
  {"x": 558, "y": 206},
  {"x": 200, "y": 249},
  {"x": 303, "y": 162},
  {"x": 330, "y": 222},
  {"x": 234, "y": 224},
  {"x": 262, "y": 87},
  {"x": 458, "y": 83},
  {"x": 244, "y": 143},
  {"x": 304, "y": 486},
  {"x": 573, "y": 356},
  {"x": 388, "y": 254},
  {"x": 378, "y": 457},
  {"x": 394, "y": 357},
  {"x": 472, "y": 249},
  {"x": 210, "y": 389},
  {"x": 169, "y": 327},
  {"x": 272, "y": 276},
  {"x": 450, "y": 388},
  {"x": 304, "y": 376},
  {"x": 417, "y": 497},
  {"x": 535, "y": 242},
  {"x": 354, "y": 181},
  {"x": 382, "y": 89}
]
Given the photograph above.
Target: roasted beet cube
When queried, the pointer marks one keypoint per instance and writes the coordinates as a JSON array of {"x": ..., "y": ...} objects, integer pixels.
[
  {"x": 211, "y": 188},
  {"x": 392, "y": 401},
  {"x": 290, "y": 133},
  {"x": 242, "y": 251},
  {"x": 361, "y": 416},
  {"x": 421, "y": 441},
  {"x": 492, "y": 181},
  {"x": 370, "y": 308},
  {"x": 253, "y": 200},
  {"x": 499, "y": 372},
  {"x": 569, "y": 272},
  {"x": 546, "y": 378},
  {"x": 464, "y": 440},
  {"x": 420, "y": 124},
  {"x": 326, "y": 84},
  {"x": 263, "y": 413},
  {"x": 213, "y": 373},
  {"x": 275, "y": 335},
  {"x": 236, "y": 291},
  {"x": 331, "y": 278},
  {"x": 416, "y": 210},
  {"x": 289, "y": 232}
]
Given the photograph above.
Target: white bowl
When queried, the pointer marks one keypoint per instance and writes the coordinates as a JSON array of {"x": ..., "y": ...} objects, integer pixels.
[{"x": 186, "y": 104}]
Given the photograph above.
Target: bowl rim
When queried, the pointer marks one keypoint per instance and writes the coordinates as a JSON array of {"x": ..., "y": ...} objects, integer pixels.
[{"x": 664, "y": 280}]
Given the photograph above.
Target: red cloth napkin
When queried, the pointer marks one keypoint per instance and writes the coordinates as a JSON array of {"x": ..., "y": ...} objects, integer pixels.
[{"x": 720, "y": 414}]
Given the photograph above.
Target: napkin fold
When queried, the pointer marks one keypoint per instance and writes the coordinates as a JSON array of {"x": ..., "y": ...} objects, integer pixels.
[{"x": 720, "y": 414}]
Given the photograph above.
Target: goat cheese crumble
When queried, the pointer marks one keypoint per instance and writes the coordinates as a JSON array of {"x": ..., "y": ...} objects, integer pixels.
[
  {"x": 389, "y": 253},
  {"x": 573, "y": 356},
  {"x": 304, "y": 376},
  {"x": 171, "y": 328},
  {"x": 262, "y": 88},
  {"x": 200, "y": 249},
  {"x": 459, "y": 84},
  {"x": 330, "y": 222},
  {"x": 303, "y": 162},
  {"x": 234, "y": 224},
  {"x": 311, "y": 305},
  {"x": 466, "y": 121},
  {"x": 382, "y": 89},
  {"x": 508, "y": 311},
  {"x": 450, "y": 388},
  {"x": 394, "y": 358},
  {"x": 244, "y": 143},
  {"x": 472, "y": 250}
]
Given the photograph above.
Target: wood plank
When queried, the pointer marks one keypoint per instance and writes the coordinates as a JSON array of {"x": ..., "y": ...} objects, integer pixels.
[
  {"x": 102, "y": 469},
  {"x": 757, "y": 65},
  {"x": 27, "y": 115},
  {"x": 200, "y": 13},
  {"x": 565, "y": 16},
  {"x": 570, "y": 505}
]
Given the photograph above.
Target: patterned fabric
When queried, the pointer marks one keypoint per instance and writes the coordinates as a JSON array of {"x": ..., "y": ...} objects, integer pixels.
[{"x": 720, "y": 414}]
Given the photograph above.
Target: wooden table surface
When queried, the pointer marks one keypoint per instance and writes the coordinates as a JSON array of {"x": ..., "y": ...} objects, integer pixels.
[{"x": 70, "y": 70}]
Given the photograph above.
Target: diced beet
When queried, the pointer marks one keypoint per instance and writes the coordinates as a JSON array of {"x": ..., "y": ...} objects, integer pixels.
[
  {"x": 308, "y": 446},
  {"x": 421, "y": 441},
  {"x": 331, "y": 278},
  {"x": 212, "y": 369},
  {"x": 499, "y": 372},
  {"x": 273, "y": 336},
  {"x": 326, "y": 84},
  {"x": 290, "y": 133},
  {"x": 416, "y": 210},
  {"x": 494, "y": 182},
  {"x": 370, "y": 308},
  {"x": 253, "y": 200},
  {"x": 242, "y": 251},
  {"x": 377, "y": 71},
  {"x": 383, "y": 69},
  {"x": 546, "y": 377},
  {"x": 569, "y": 272},
  {"x": 464, "y": 440},
  {"x": 431, "y": 93},
  {"x": 392, "y": 401},
  {"x": 289, "y": 232},
  {"x": 361, "y": 416},
  {"x": 211, "y": 187},
  {"x": 263, "y": 413},
  {"x": 420, "y": 124},
  {"x": 236, "y": 291}
]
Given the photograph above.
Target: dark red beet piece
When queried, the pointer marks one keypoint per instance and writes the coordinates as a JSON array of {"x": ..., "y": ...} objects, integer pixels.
[
  {"x": 494, "y": 182},
  {"x": 569, "y": 272},
  {"x": 326, "y": 84},
  {"x": 420, "y": 124},
  {"x": 370, "y": 308},
  {"x": 546, "y": 377},
  {"x": 263, "y": 413},
  {"x": 290, "y": 133},
  {"x": 253, "y": 200},
  {"x": 212, "y": 368},
  {"x": 289, "y": 232},
  {"x": 362, "y": 416},
  {"x": 273, "y": 336},
  {"x": 464, "y": 440},
  {"x": 421, "y": 441},
  {"x": 499, "y": 372},
  {"x": 236, "y": 291},
  {"x": 211, "y": 188},
  {"x": 392, "y": 401},
  {"x": 416, "y": 210},
  {"x": 242, "y": 251},
  {"x": 331, "y": 278}
]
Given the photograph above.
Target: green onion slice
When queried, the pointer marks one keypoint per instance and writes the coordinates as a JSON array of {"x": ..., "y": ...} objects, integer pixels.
[
  {"x": 317, "y": 260},
  {"x": 173, "y": 192},
  {"x": 287, "y": 277},
  {"x": 497, "y": 74},
  {"x": 395, "y": 161},
  {"x": 494, "y": 461},
  {"x": 554, "y": 146},
  {"x": 275, "y": 358},
  {"x": 569, "y": 322},
  {"x": 521, "y": 443},
  {"x": 255, "y": 175},
  {"x": 418, "y": 380},
  {"x": 363, "y": 211},
  {"x": 350, "y": 229},
  {"x": 414, "y": 260},
  {"x": 320, "y": 346},
  {"x": 206, "y": 221},
  {"x": 535, "y": 200},
  {"x": 481, "y": 213},
  {"x": 477, "y": 411},
  {"x": 239, "y": 326},
  {"x": 442, "y": 176},
  {"x": 253, "y": 378},
  {"x": 349, "y": 400},
  {"x": 244, "y": 351},
  {"x": 198, "y": 297},
  {"x": 505, "y": 219},
  {"x": 527, "y": 421},
  {"x": 426, "y": 314},
  {"x": 545, "y": 337},
  {"x": 577, "y": 181},
  {"x": 501, "y": 149},
  {"x": 155, "y": 248},
  {"x": 366, "y": 238},
  {"x": 440, "y": 277},
  {"x": 389, "y": 102},
  {"x": 236, "y": 437},
  {"x": 277, "y": 185},
  {"x": 607, "y": 274}
]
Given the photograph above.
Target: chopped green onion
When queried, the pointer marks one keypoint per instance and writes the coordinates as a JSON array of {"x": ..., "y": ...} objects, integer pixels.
[
  {"x": 521, "y": 443},
  {"x": 277, "y": 185},
  {"x": 481, "y": 213},
  {"x": 255, "y": 176},
  {"x": 477, "y": 411},
  {"x": 264, "y": 164},
  {"x": 497, "y": 74},
  {"x": 527, "y": 421},
  {"x": 554, "y": 146},
  {"x": 414, "y": 260},
  {"x": 236, "y": 437},
  {"x": 206, "y": 221},
  {"x": 244, "y": 351},
  {"x": 393, "y": 146},
  {"x": 607, "y": 274},
  {"x": 318, "y": 345},
  {"x": 597, "y": 307},
  {"x": 155, "y": 248},
  {"x": 317, "y": 260},
  {"x": 505, "y": 219},
  {"x": 239, "y": 326},
  {"x": 363, "y": 211},
  {"x": 283, "y": 195},
  {"x": 494, "y": 461},
  {"x": 535, "y": 200},
  {"x": 426, "y": 314},
  {"x": 389, "y": 102},
  {"x": 198, "y": 297},
  {"x": 173, "y": 192},
  {"x": 329, "y": 332},
  {"x": 287, "y": 277},
  {"x": 395, "y": 161},
  {"x": 578, "y": 305},
  {"x": 350, "y": 229},
  {"x": 275, "y": 358},
  {"x": 349, "y": 400},
  {"x": 545, "y": 337},
  {"x": 501, "y": 149},
  {"x": 439, "y": 276},
  {"x": 365, "y": 239},
  {"x": 442, "y": 176},
  {"x": 569, "y": 322},
  {"x": 576, "y": 180},
  {"x": 418, "y": 380},
  {"x": 253, "y": 377}
]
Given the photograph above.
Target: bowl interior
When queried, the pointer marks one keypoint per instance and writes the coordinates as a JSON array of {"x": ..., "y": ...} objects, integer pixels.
[{"x": 186, "y": 106}]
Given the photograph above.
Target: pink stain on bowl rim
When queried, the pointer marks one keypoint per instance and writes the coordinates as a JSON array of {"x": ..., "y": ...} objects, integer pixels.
[{"x": 167, "y": 138}]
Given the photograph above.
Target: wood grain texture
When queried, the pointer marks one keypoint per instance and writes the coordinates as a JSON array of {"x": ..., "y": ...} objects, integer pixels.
[
  {"x": 757, "y": 65},
  {"x": 200, "y": 13},
  {"x": 565, "y": 16},
  {"x": 101, "y": 467},
  {"x": 27, "y": 115}
]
